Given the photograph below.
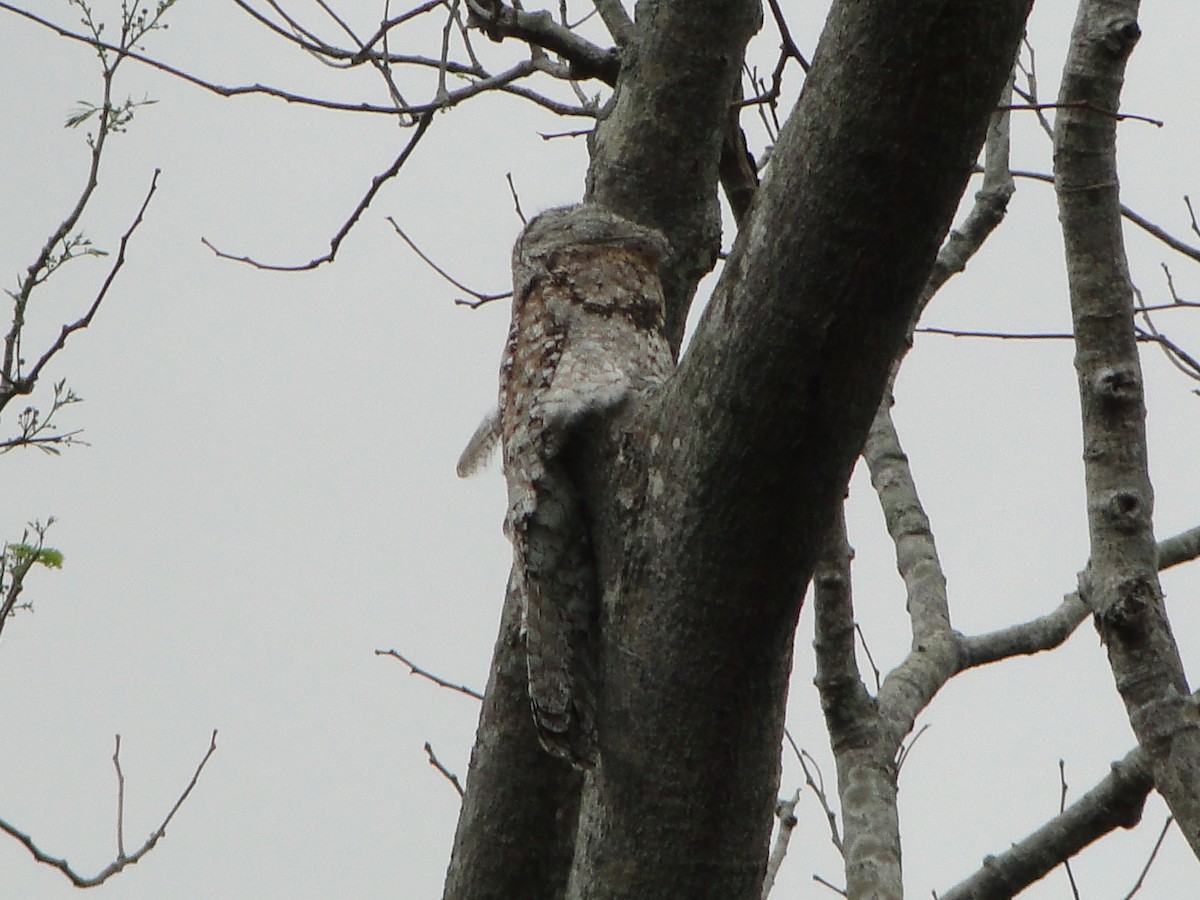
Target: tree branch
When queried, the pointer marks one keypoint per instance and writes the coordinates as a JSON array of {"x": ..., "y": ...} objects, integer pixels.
[
  {"x": 446, "y": 773},
  {"x": 1120, "y": 583},
  {"x": 26, "y": 384},
  {"x": 1133, "y": 216},
  {"x": 862, "y": 741},
  {"x": 538, "y": 29},
  {"x": 414, "y": 669},
  {"x": 1116, "y": 802},
  {"x": 1052, "y": 629},
  {"x": 336, "y": 241},
  {"x": 480, "y": 297},
  {"x": 483, "y": 81},
  {"x": 122, "y": 860}
]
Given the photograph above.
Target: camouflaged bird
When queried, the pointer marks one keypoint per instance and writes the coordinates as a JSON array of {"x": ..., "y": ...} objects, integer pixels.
[{"x": 586, "y": 333}]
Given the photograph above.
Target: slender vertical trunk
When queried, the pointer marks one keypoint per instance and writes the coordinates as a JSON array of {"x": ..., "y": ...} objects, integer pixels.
[{"x": 1121, "y": 581}]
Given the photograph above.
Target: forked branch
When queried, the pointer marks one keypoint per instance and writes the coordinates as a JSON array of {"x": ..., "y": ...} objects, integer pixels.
[
  {"x": 122, "y": 859},
  {"x": 336, "y": 241}
]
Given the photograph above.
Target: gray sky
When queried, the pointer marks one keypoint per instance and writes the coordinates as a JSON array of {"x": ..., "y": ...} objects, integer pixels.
[{"x": 270, "y": 492}]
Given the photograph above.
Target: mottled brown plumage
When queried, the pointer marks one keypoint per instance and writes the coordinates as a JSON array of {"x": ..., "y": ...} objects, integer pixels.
[{"x": 586, "y": 332}]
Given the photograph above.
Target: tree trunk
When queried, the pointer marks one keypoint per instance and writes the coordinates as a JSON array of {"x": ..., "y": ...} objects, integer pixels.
[
  {"x": 1120, "y": 583},
  {"x": 709, "y": 503}
]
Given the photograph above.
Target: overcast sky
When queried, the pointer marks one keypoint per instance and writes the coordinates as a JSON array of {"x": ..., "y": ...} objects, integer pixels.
[{"x": 269, "y": 495}]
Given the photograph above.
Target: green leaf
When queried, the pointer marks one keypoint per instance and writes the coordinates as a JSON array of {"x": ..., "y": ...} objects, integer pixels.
[
  {"x": 46, "y": 556},
  {"x": 50, "y": 558}
]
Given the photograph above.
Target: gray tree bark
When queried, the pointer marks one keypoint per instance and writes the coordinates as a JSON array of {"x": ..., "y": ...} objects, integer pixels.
[
  {"x": 710, "y": 502},
  {"x": 1120, "y": 583}
]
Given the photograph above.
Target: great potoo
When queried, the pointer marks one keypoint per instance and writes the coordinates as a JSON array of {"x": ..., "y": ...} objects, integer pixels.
[{"x": 586, "y": 334}]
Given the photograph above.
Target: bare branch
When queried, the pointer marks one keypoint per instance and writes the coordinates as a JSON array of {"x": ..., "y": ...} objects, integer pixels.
[
  {"x": 26, "y": 384},
  {"x": 862, "y": 737},
  {"x": 424, "y": 673},
  {"x": 785, "y": 812},
  {"x": 1062, "y": 805},
  {"x": 1181, "y": 548},
  {"x": 1187, "y": 201},
  {"x": 1050, "y": 630},
  {"x": 116, "y": 758},
  {"x": 480, "y": 298},
  {"x": 41, "y": 431},
  {"x": 482, "y": 82},
  {"x": 1176, "y": 355},
  {"x": 985, "y": 216},
  {"x": 1137, "y": 219},
  {"x": 998, "y": 335},
  {"x": 336, "y": 241},
  {"x": 1035, "y": 636},
  {"x": 122, "y": 860},
  {"x": 1153, "y": 855},
  {"x": 829, "y": 884},
  {"x": 297, "y": 28},
  {"x": 1090, "y": 107},
  {"x": 538, "y": 29},
  {"x": 817, "y": 786},
  {"x": 1030, "y": 92},
  {"x": 562, "y": 134},
  {"x": 616, "y": 19},
  {"x": 389, "y": 24},
  {"x": 1120, "y": 582},
  {"x": 789, "y": 46},
  {"x": 916, "y": 554},
  {"x": 437, "y": 764},
  {"x": 1116, "y": 802},
  {"x": 110, "y": 118},
  {"x": 838, "y": 677},
  {"x": 862, "y": 640},
  {"x": 512, "y": 189}
]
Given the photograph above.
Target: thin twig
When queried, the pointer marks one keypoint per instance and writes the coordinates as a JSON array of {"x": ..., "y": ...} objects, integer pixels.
[
  {"x": 829, "y": 884},
  {"x": 512, "y": 189},
  {"x": 785, "y": 36},
  {"x": 16, "y": 561},
  {"x": 292, "y": 23},
  {"x": 1091, "y": 107},
  {"x": 1175, "y": 354},
  {"x": 388, "y": 24},
  {"x": 336, "y": 241},
  {"x": 862, "y": 639},
  {"x": 480, "y": 297},
  {"x": 122, "y": 860},
  {"x": 440, "y": 682},
  {"x": 817, "y": 786},
  {"x": 584, "y": 132},
  {"x": 907, "y": 749},
  {"x": 444, "y": 58},
  {"x": 1062, "y": 806},
  {"x": 437, "y": 764},
  {"x": 24, "y": 385},
  {"x": 998, "y": 335},
  {"x": 1137, "y": 219},
  {"x": 116, "y": 758},
  {"x": 1149, "y": 862},
  {"x": 1030, "y": 93},
  {"x": 1179, "y": 357},
  {"x": 483, "y": 82}
]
